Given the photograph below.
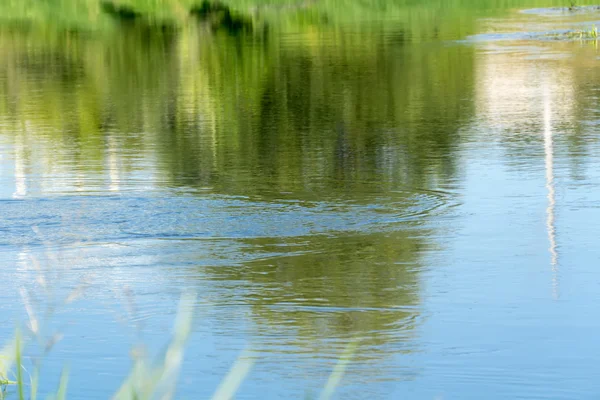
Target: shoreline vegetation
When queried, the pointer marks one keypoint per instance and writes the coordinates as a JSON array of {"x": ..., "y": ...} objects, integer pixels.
[
  {"x": 581, "y": 34},
  {"x": 243, "y": 14}
]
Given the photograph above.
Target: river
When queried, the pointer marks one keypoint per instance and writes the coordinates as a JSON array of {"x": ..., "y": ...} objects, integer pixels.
[{"x": 420, "y": 183}]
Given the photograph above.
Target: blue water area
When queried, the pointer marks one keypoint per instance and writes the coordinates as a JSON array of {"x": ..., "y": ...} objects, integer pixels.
[{"x": 400, "y": 200}]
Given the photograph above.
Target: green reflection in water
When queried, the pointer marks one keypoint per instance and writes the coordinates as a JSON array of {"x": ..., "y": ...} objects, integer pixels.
[
  {"x": 243, "y": 114},
  {"x": 368, "y": 115},
  {"x": 361, "y": 118}
]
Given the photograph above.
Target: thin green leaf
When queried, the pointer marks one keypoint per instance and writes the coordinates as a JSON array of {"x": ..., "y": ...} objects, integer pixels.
[
  {"x": 18, "y": 360},
  {"x": 34, "y": 384},
  {"x": 62, "y": 387},
  {"x": 339, "y": 370},
  {"x": 238, "y": 372}
]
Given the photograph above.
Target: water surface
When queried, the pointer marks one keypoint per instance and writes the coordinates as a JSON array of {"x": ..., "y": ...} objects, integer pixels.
[{"x": 423, "y": 183}]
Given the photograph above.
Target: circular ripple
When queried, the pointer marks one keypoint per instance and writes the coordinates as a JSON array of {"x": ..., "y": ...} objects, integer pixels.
[{"x": 101, "y": 218}]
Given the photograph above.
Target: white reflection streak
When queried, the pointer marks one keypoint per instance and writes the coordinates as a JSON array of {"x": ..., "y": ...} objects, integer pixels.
[
  {"x": 20, "y": 176},
  {"x": 113, "y": 166},
  {"x": 550, "y": 215}
]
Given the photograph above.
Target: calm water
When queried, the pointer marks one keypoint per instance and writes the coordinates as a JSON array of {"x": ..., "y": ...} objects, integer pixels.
[{"x": 425, "y": 184}]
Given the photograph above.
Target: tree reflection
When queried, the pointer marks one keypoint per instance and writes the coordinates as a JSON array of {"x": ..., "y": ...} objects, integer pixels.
[{"x": 363, "y": 120}]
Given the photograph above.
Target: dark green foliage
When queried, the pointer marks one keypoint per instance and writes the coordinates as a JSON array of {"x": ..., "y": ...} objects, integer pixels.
[
  {"x": 120, "y": 11},
  {"x": 220, "y": 16},
  {"x": 207, "y": 8}
]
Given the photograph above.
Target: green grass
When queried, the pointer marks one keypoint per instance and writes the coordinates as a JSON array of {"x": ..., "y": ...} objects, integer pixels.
[
  {"x": 584, "y": 34},
  {"x": 147, "y": 380},
  {"x": 591, "y": 33},
  {"x": 102, "y": 14}
]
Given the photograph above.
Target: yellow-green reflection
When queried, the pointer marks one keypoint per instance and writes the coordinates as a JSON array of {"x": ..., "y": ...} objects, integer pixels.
[
  {"x": 329, "y": 120},
  {"x": 237, "y": 114}
]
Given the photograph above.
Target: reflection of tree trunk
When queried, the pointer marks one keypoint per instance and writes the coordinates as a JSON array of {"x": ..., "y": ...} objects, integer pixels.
[
  {"x": 343, "y": 152},
  {"x": 549, "y": 162}
]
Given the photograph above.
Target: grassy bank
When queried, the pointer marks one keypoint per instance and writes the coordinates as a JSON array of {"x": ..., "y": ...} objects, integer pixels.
[{"x": 101, "y": 14}]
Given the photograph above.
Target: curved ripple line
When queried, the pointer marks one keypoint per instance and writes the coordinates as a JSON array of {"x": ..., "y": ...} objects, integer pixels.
[{"x": 63, "y": 220}]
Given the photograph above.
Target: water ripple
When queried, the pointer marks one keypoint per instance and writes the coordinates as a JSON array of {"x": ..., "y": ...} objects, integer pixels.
[{"x": 68, "y": 219}]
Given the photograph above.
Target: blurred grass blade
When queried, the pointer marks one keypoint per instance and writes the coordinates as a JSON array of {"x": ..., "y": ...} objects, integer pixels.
[
  {"x": 148, "y": 381},
  {"x": 235, "y": 377},
  {"x": 7, "y": 359},
  {"x": 34, "y": 384},
  {"x": 129, "y": 388},
  {"x": 33, "y": 321},
  {"x": 338, "y": 371},
  {"x": 19, "y": 366},
  {"x": 62, "y": 387},
  {"x": 173, "y": 358}
]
